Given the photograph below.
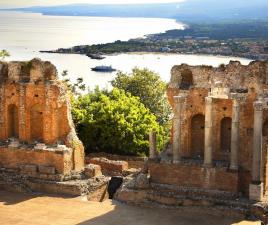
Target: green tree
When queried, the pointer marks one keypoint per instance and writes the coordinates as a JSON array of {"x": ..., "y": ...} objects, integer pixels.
[
  {"x": 151, "y": 90},
  {"x": 114, "y": 122},
  {"x": 4, "y": 54}
]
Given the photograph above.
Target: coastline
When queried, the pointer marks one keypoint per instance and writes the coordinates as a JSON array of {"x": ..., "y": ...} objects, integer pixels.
[{"x": 153, "y": 53}]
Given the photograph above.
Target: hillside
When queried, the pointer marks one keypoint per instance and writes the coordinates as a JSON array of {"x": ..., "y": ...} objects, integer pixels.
[{"x": 188, "y": 11}]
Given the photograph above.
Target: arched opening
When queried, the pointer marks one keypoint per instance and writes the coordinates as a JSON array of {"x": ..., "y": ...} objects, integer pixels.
[
  {"x": 197, "y": 135},
  {"x": 13, "y": 121},
  {"x": 226, "y": 130},
  {"x": 36, "y": 123},
  {"x": 265, "y": 128},
  {"x": 186, "y": 79}
]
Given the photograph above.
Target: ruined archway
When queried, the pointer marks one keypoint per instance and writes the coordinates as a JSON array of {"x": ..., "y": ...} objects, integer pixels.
[
  {"x": 226, "y": 130},
  {"x": 36, "y": 123},
  {"x": 13, "y": 121},
  {"x": 186, "y": 79},
  {"x": 197, "y": 135},
  {"x": 265, "y": 129}
]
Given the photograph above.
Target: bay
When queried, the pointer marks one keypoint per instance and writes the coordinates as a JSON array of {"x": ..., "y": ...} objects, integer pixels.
[{"x": 24, "y": 34}]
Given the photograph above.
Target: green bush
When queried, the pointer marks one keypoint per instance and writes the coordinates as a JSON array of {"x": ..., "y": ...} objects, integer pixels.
[
  {"x": 151, "y": 90},
  {"x": 115, "y": 122}
]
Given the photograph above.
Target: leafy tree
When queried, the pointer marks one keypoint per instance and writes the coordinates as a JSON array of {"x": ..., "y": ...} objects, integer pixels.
[
  {"x": 151, "y": 90},
  {"x": 114, "y": 122},
  {"x": 4, "y": 54}
]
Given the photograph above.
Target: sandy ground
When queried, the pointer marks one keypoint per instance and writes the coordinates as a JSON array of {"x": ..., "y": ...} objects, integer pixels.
[{"x": 26, "y": 209}]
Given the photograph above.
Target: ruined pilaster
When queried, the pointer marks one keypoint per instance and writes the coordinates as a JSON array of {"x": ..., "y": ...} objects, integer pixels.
[
  {"x": 47, "y": 114},
  {"x": 256, "y": 188},
  {"x": 22, "y": 112},
  {"x": 208, "y": 132},
  {"x": 153, "y": 145},
  {"x": 178, "y": 103},
  {"x": 2, "y": 122}
]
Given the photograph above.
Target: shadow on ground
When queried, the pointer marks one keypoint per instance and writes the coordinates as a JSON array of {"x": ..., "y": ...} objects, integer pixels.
[{"x": 132, "y": 215}]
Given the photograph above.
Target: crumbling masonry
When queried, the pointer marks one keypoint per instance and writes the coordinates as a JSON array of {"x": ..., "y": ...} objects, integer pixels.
[
  {"x": 220, "y": 125},
  {"x": 36, "y": 129}
]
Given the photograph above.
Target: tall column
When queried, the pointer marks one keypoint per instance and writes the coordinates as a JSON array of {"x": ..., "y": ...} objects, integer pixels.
[
  {"x": 235, "y": 135},
  {"x": 176, "y": 146},
  {"x": 153, "y": 146},
  {"x": 208, "y": 132},
  {"x": 256, "y": 189},
  {"x": 257, "y": 142}
]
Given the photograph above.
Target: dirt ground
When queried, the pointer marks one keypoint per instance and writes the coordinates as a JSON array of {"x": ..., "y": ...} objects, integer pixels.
[{"x": 26, "y": 209}]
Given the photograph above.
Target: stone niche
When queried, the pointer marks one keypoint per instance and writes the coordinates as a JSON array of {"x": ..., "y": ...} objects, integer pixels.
[{"x": 36, "y": 127}]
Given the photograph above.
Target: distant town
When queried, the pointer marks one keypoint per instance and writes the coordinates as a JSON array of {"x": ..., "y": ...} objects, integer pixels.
[{"x": 232, "y": 39}]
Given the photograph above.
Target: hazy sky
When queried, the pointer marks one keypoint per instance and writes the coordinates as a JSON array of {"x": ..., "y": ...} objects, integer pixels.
[{"x": 19, "y": 3}]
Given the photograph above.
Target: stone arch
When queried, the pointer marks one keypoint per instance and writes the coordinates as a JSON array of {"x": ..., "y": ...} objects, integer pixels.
[
  {"x": 226, "y": 132},
  {"x": 265, "y": 128},
  {"x": 36, "y": 123},
  {"x": 13, "y": 121},
  {"x": 186, "y": 79},
  {"x": 197, "y": 135}
]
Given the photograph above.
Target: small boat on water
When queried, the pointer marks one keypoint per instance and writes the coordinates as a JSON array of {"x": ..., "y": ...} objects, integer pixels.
[
  {"x": 105, "y": 69},
  {"x": 95, "y": 56}
]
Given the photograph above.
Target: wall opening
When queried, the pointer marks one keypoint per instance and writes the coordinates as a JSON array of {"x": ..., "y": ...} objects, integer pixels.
[
  {"x": 36, "y": 123},
  {"x": 226, "y": 131},
  {"x": 13, "y": 121},
  {"x": 265, "y": 129},
  {"x": 186, "y": 79},
  {"x": 197, "y": 135}
]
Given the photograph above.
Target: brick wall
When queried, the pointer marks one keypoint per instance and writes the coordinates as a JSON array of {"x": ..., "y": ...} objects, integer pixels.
[{"x": 194, "y": 176}]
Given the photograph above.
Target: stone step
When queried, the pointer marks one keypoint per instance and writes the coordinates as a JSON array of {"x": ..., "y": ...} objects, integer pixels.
[
  {"x": 189, "y": 191},
  {"x": 170, "y": 195}
]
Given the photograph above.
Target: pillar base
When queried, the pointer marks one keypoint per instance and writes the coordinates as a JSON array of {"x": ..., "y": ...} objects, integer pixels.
[
  {"x": 176, "y": 161},
  {"x": 233, "y": 168},
  {"x": 206, "y": 165},
  {"x": 256, "y": 192}
]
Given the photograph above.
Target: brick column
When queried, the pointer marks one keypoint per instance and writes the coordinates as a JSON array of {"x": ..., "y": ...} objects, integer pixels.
[
  {"x": 2, "y": 112},
  {"x": 256, "y": 187},
  {"x": 153, "y": 145},
  {"x": 208, "y": 133},
  {"x": 176, "y": 146},
  {"x": 22, "y": 113},
  {"x": 235, "y": 134},
  {"x": 47, "y": 115}
]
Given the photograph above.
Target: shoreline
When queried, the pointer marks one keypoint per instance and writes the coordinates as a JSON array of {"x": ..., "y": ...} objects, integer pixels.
[{"x": 152, "y": 53}]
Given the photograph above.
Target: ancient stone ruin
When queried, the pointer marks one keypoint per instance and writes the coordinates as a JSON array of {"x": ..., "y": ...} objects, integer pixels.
[
  {"x": 37, "y": 136},
  {"x": 220, "y": 119},
  {"x": 218, "y": 152}
]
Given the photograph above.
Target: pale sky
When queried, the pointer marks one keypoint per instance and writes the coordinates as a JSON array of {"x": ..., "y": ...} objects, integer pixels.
[{"x": 23, "y": 3}]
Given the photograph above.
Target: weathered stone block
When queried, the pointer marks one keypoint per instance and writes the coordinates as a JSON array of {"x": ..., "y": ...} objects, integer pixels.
[
  {"x": 29, "y": 169},
  {"x": 93, "y": 170},
  {"x": 47, "y": 169},
  {"x": 111, "y": 167},
  {"x": 256, "y": 192}
]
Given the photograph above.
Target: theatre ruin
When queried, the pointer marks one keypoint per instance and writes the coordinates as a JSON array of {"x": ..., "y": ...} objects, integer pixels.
[{"x": 37, "y": 136}]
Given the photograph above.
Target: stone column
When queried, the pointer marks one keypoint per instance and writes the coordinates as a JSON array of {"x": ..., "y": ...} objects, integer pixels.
[
  {"x": 257, "y": 142},
  {"x": 256, "y": 187},
  {"x": 153, "y": 145},
  {"x": 208, "y": 132},
  {"x": 176, "y": 145},
  {"x": 22, "y": 113},
  {"x": 235, "y": 134}
]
